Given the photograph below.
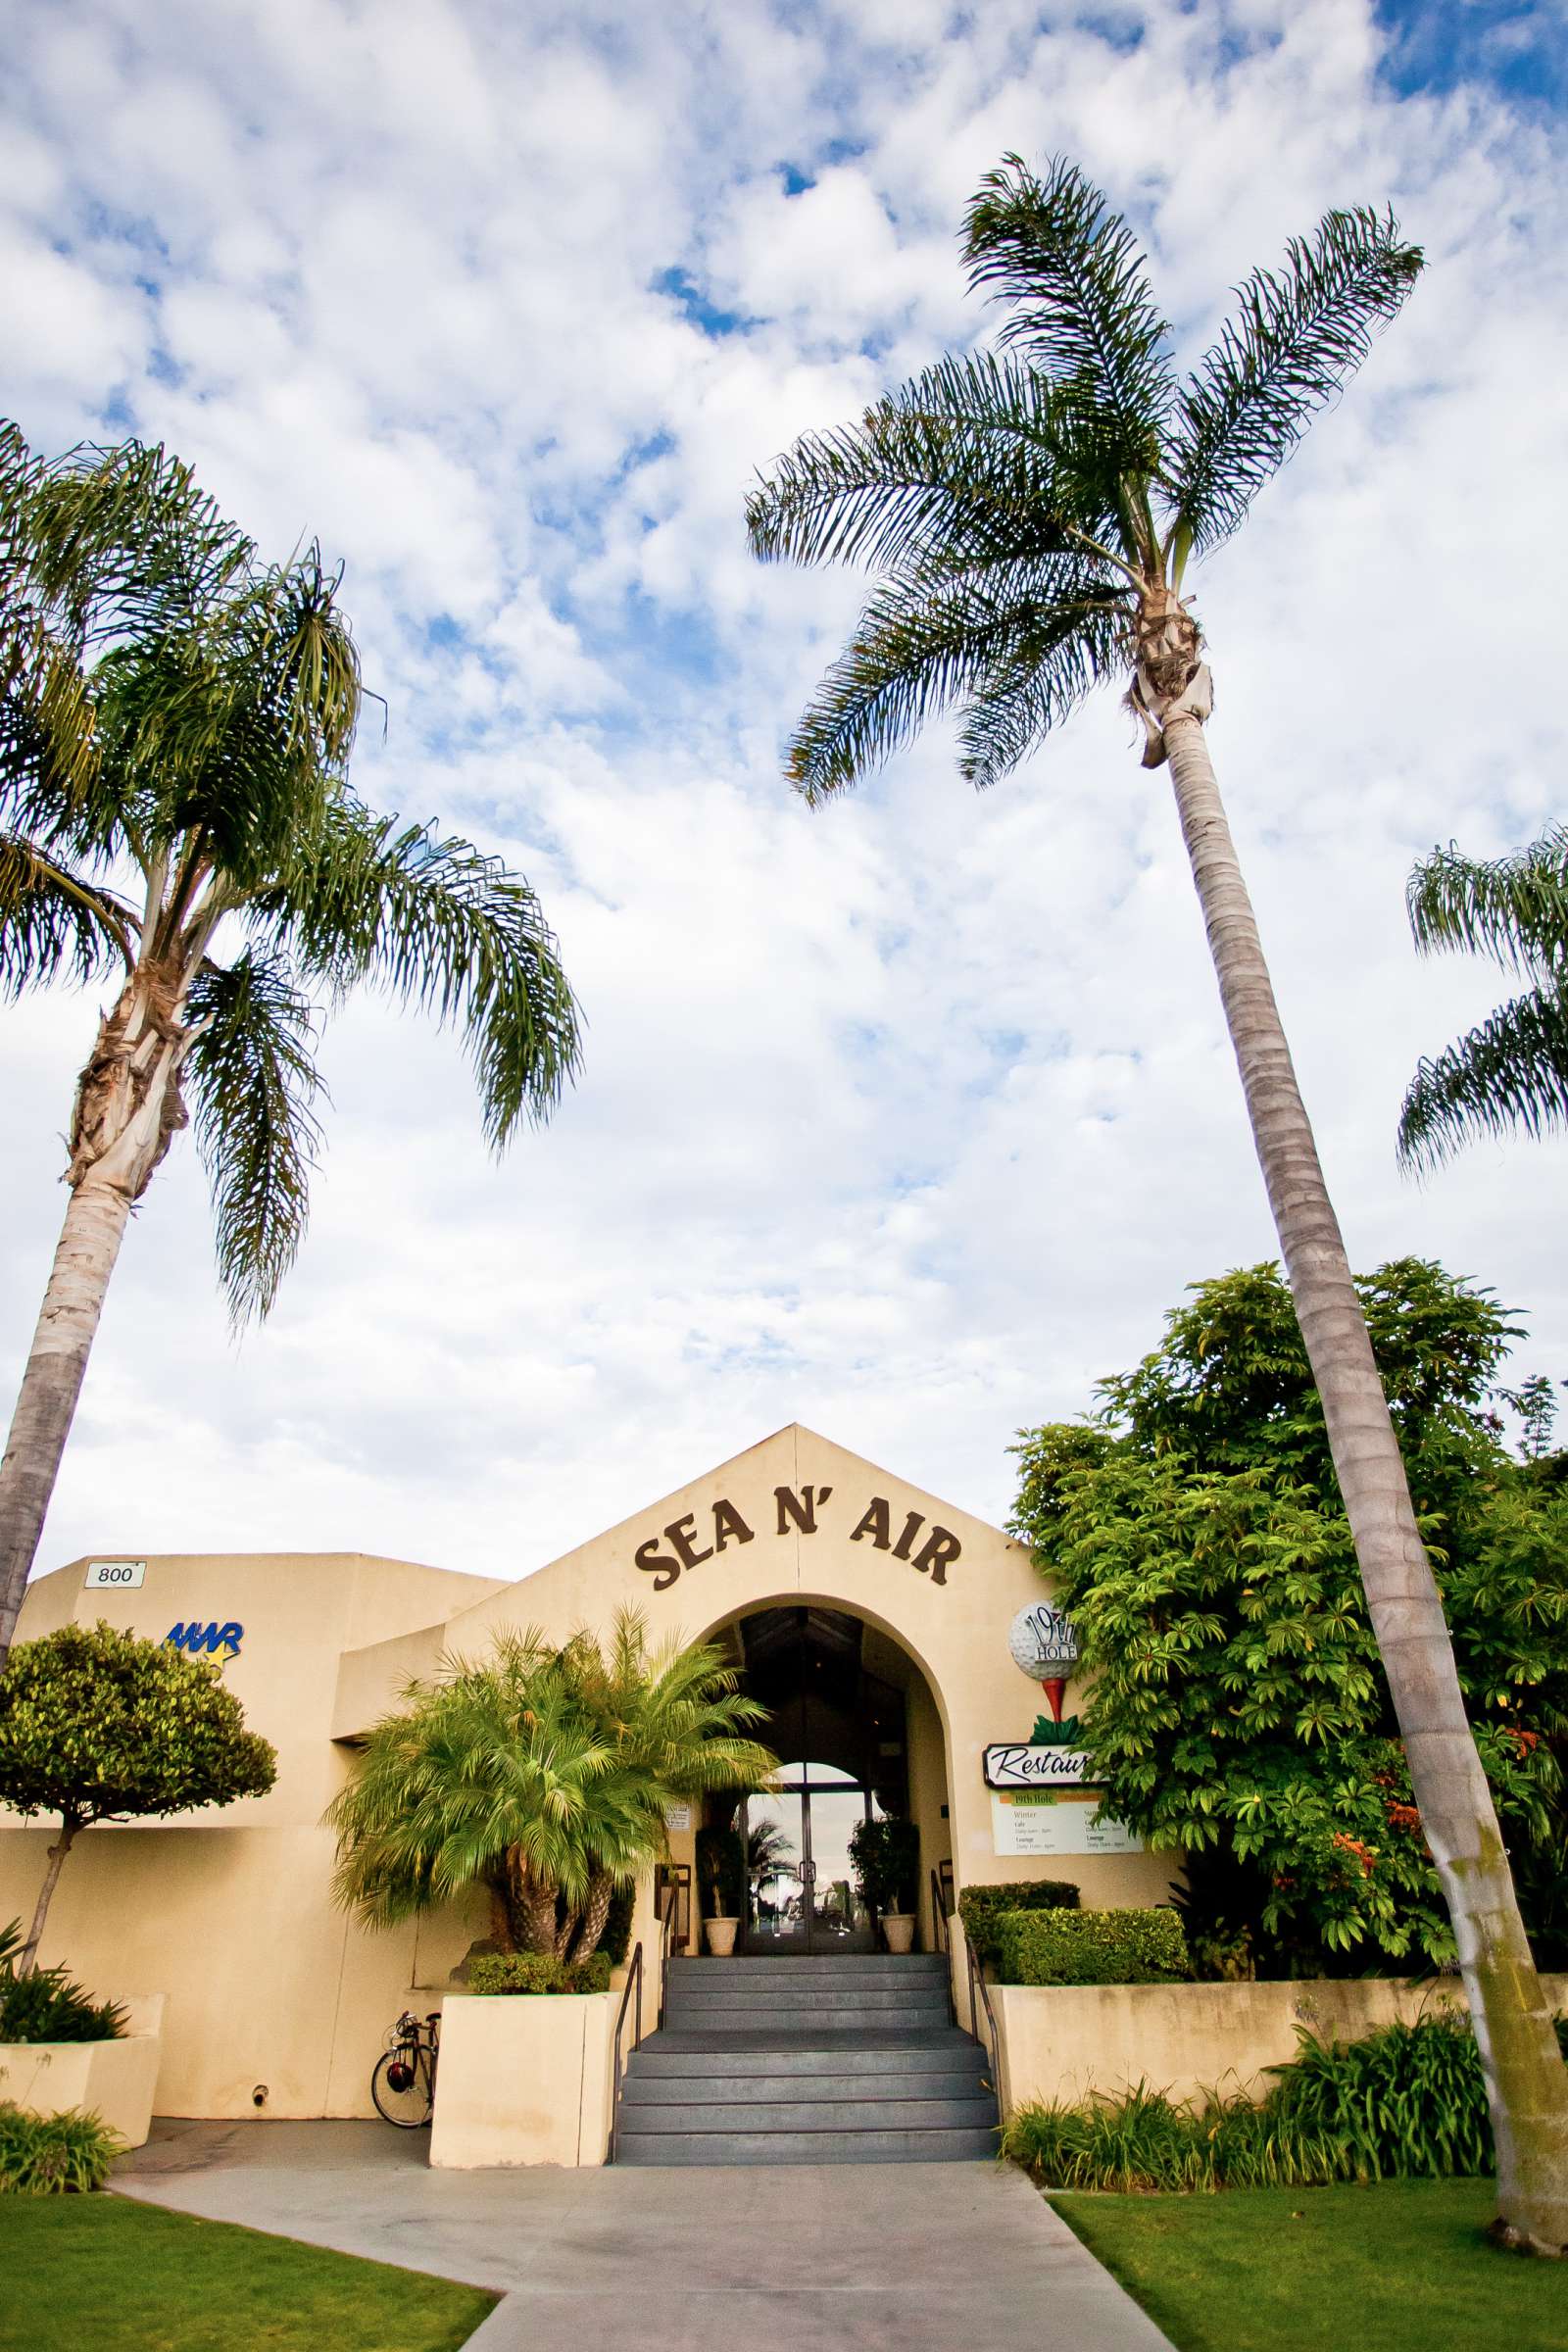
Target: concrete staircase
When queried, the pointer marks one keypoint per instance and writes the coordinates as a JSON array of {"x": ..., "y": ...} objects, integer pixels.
[{"x": 831, "y": 2060}]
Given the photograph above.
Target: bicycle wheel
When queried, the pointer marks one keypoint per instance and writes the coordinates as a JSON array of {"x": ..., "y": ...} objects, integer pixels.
[{"x": 401, "y": 2087}]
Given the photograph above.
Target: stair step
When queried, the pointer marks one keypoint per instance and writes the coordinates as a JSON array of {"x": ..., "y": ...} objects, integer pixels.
[
  {"x": 893, "y": 2147},
  {"x": 694, "y": 2055},
  {"x": 926, "y": 1993},
  {"x": 811, "y": 1967},
  {"x": 816, "y": 2115},
  {"x": 966, "y": 2082},
  {"x": 827, "y": 2017}
]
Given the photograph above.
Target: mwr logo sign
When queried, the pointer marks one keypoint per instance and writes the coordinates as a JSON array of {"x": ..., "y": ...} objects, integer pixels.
[{"x": 194, "y": 1639}]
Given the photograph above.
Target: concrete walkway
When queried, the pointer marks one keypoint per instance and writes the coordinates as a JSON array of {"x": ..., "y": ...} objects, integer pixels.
[{"x": 859, "y": 2258}]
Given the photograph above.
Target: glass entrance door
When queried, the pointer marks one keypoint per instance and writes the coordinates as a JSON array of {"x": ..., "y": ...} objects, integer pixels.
[{"x": 800, "y": 1883}]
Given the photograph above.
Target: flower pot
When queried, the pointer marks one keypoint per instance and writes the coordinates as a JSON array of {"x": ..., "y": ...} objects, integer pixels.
[
  {"x": 720, "y": 1934},
  {"x": 898, "y": 1929}
]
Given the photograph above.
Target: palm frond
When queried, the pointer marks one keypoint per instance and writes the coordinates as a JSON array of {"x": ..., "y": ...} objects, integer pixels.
[
  {"x": 1038, "y": 678},
  {"x": 1508, "y": 1076},
  {"x": 1297, "y": 338},
  {"x": 442, "y": 926},
  {"x": 1512, "y": 909},
  {"x": 236, "y": 725},
  {"x": 123, "y": 540},
  {"x": 965, "y": 456},
  {"x": 1081, "y": 308},
  {"x": 916, "y": 654},
  {"x": 255, "y": 1083},
  {"x": 53, "y": 923}
]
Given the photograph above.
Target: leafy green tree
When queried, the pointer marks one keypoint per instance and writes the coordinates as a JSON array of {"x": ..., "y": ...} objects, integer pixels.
[
  {"x": 1510, "y": 1075},
  {"x": 1240, "y": 1710},
  {"x": 175, "y": 819},
  {"x": 1031, "y": 511},
  {"x": 100, "y": 1725},
  {"x": 542, "y": 1775}
]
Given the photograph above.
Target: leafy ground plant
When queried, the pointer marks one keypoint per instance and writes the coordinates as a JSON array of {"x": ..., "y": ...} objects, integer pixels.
[
  {"x": 1405, "y": 2103},
  {"x": 1400, "y": 2267},
  {"x": 128, "y": 2278},
  {"x": 53, "y": 2155}
]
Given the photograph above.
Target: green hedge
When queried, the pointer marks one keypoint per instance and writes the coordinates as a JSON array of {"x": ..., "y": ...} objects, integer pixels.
[
  {"x": 537, "y": 1972},
  {"x": 1091, "y": 1947},
  {"x": 982, "y": 1907},
  {"x": 52, "y": 2155}
]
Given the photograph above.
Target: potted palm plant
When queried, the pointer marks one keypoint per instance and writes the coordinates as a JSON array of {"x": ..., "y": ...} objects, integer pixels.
[
  {"x": 721, "y": 1876},
  {"x": 886, "y": 1859}
]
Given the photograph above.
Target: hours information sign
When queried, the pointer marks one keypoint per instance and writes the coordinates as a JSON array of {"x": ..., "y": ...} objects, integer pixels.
[{"x": 1056, "y": 1821}]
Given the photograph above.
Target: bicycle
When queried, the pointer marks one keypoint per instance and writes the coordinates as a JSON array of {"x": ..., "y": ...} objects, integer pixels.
[{"x": 402, "y": 2079}]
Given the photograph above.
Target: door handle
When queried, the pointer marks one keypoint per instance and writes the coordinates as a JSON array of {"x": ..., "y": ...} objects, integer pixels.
[{"x": 807, "y": 1873}]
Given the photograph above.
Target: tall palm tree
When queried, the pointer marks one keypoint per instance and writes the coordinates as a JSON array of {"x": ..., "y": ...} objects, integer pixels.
[
  {"x": 1511, "y": 1073},
  {"x": 543, "y": 1775},
  {"x": 1031, "y": 511},
  {"x": 176, "y": 820}
]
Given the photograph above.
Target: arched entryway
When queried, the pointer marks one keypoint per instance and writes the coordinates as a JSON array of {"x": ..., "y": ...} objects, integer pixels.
[{"x": 857, "y": 1731}]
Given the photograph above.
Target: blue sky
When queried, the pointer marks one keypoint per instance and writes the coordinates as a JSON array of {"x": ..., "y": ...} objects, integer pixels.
[{"x": 911, "y": 1119}]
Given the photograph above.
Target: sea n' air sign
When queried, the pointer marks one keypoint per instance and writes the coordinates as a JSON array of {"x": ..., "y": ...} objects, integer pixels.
[{"x": 686, "y": 1542}]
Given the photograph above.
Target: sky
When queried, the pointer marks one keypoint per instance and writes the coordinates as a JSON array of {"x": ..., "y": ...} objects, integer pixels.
[{"x": 910, "y": 1117}]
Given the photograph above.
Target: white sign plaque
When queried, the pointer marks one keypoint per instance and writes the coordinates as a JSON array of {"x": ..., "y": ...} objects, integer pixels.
[
  {"x": 1053, "y": 1822},
  {"x": 1024, "y": 1765},
  {"x": 115, "y": 1576},
  {"x": 677, "y": 1817}
]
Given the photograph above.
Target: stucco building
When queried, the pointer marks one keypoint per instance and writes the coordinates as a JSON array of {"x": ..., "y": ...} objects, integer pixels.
[{"x": 872, "y": 1618}]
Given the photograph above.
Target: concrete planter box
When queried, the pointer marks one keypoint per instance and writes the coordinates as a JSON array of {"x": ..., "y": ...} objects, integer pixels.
[
  {"x": 1061, "y": 2042},
  {"x": 113, "y": 2079},
  {"x": 523, "y": 2078}
]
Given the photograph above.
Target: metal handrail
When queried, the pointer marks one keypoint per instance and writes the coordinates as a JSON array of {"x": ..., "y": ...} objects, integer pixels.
[
  {"x": 940, "y": 1916},
  {"x": 633, "y": 1987},
  {"x": 633, "y": 1984},
  {"x": 978, "y": 1976}
]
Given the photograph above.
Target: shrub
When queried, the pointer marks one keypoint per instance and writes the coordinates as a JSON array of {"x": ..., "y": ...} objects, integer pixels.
[
  {"x": 1091, "y": 1947},
  {"x": 54, "y": 2155},
  {"x": 721, "y": 1872},
  {"x": 1407, "y": 2102},
  {"x": 537, "y": 1972},
  {"x": 981, "y": 1907},
  {"x": 45, "y": 2006}
]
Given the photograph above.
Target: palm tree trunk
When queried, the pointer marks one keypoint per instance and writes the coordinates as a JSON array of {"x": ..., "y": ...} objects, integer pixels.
[
  {"x": 89, "y": 1245},
  {"x": 128, "y": 1112},
  {"x": 595, "y": 1912},
  {"x": 57, "y": 1854},
  {"x": 1526, "y": 2082}
]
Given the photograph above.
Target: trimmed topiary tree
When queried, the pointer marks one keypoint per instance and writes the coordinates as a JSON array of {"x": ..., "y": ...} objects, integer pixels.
[{"x": 100, "y": 1725}]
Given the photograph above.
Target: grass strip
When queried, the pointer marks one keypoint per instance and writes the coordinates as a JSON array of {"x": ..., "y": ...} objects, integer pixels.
[
  {"x": 104, "y": 2273},
  {"x": 1392, "y": 2265}
]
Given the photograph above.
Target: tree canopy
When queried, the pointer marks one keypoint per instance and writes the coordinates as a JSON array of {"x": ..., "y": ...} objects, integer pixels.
[
  {"x": 97, "y": 1724},
  {"x": 1238, "y": 1707}
]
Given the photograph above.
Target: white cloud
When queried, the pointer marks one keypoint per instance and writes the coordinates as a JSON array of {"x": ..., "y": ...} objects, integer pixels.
[{"x": 908, "y": 1118}]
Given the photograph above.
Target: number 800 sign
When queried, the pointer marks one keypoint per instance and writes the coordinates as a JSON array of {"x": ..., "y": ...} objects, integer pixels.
[{"x": 116, "y": 1576}]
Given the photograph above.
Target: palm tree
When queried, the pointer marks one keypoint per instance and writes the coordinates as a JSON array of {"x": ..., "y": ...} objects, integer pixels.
[
  {"x": 543, "y": 1775},
  {"x": 1031, "y": 511},
  {"x": 1511, "y": 1073},
  {"x": 175, "y": 723}
]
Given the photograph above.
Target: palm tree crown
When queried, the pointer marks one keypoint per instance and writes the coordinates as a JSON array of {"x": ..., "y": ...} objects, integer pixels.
[
  {"x": 1031, "y": 509},
  {"x": 193, "y": 790},
  {"x": 542, "y": 1774},
  {"x": 1510, "y": 1074}
]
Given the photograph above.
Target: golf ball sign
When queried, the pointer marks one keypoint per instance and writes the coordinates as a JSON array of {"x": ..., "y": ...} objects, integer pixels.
[{"x": 1043, "y": 1643}]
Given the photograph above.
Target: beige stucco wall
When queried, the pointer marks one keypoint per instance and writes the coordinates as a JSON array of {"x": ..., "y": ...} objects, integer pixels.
[
  {"x": 523, "y": 2080},
  {"x": 230, "y": 1913},
  {"x": 1062, "y": 2041}
]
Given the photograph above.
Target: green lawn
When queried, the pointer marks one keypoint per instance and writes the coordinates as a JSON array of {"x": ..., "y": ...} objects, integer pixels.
[
  {"x": 1401, "y": 2267},
  {"x": 102, "y": 2274}
]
